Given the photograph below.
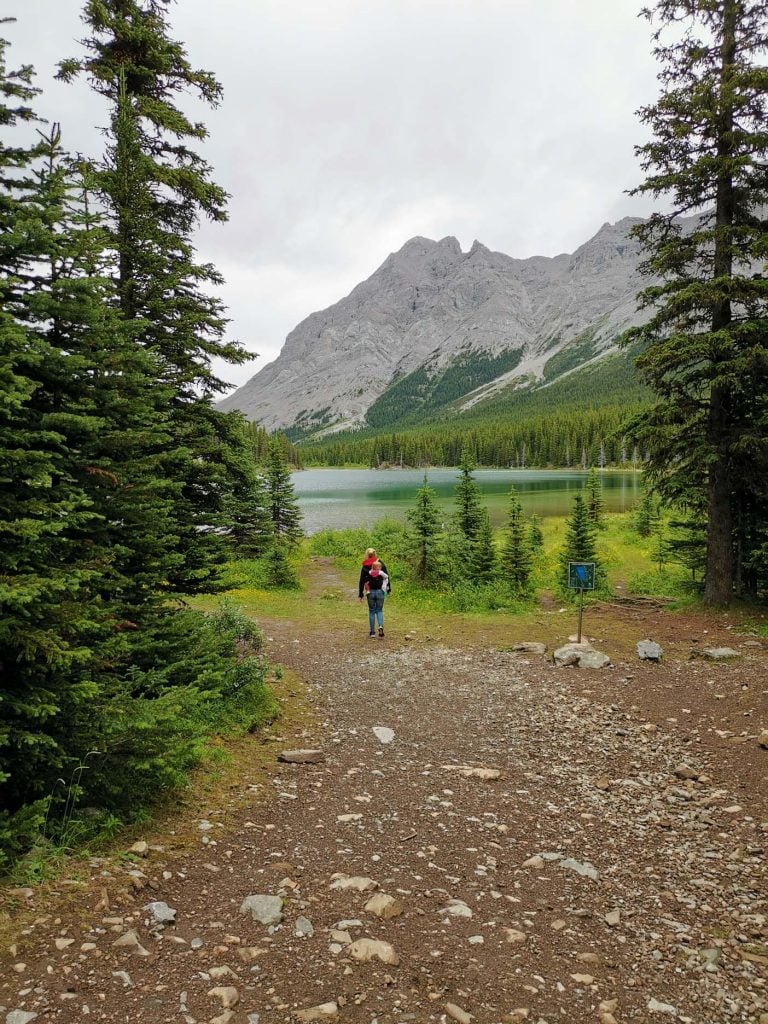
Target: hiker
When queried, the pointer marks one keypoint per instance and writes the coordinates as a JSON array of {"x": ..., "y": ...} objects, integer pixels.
[
  {"x": 376, "y": 590},
  {"x": 370, "y": 558}
]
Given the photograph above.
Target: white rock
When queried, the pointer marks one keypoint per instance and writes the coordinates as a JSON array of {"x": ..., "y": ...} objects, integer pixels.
[
  {"x": 303, "y": 926},
  {"x": 20, "y": 1017},
  {"x": 227, "y": 994},
  {"x": 456, "y": 1013},
  {"x": 370, "y": 949},
  {"x": 457, "y": 908},
  {"x": 356, "y": 882},
  {"x": 383, "y": 734},
  {"x": 656, "y": 1007},
  {"x": 515, "y": 936},
  {"x": 125, "y": 977},
  {"x": 324, "y": 1011},
  {"x": 130, "y": 941},
  {"x": 586, "y": 869}
]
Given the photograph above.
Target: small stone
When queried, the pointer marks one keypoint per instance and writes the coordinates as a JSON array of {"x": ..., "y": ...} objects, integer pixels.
[
  {"x": 227, "y": 994},
  {"x": 613, "y": 918},
  {"x": 558, "y": 925},
  {"x": 63, "y": 943},
  {"x": 356, "y": 882},
  {"x": 222, "y": 1018},
  {"x": 130, "y": 941},
  {"x": 344, "y": 818},
  {"x": 684, "y": 772},
  {"x": 656, "y": 1007},
  {"x": 471, "y": 772},
  {"x": 583, "y": 979},
  {"x": 303, "y": 926},
  {"x": 217, "y": 973},
  {"x": 603, "y": 783},
  {"x": 370, "y": 949},
  {"x": 19, "y": 968},
  {"x": 456, "y": 1013},
  {"x": 383, "y": 734},
  {"x": 714, "y": 653},
  {"x": 534, "y": 862},
  {"x": 608, "y": 1005},
  {"x": 528, "y": 647},
  {"x": 515, "y": 936},
  {"x": 123, "y": 976},
  {"x": 324, "y": 1011},
  {"x": 475, "y": 940},
  {"x": 457, "y": 908},
  {"x": 161, "y": 913},
  {"x": 763, "y": 739},
  {"x": 586, "y": 869},
  {"x": 20, "y": 1017},
  {"x": 588, "y": 958},
  {"x": 264, "y": 909},
  {"x": 516, "y": 1016},
  {"x": 141, "y": 849},
  {"x": 384, "y": 906},
  {"x": 301, "y": 756}
]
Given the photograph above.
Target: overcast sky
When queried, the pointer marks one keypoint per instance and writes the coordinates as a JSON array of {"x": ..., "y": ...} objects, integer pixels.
[{"x": 349, "y": 126}]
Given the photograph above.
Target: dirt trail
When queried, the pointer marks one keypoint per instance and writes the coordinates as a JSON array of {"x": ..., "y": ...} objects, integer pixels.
[{"x": 558, "y": 844}]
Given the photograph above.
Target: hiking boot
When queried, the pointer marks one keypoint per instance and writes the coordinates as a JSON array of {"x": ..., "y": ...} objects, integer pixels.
[
  {"x": 371, "y": 635},
  {"x": 381, "y": 631}
]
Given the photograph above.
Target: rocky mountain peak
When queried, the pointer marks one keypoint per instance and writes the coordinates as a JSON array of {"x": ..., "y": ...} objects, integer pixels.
[{"x": 429, "y": 305}]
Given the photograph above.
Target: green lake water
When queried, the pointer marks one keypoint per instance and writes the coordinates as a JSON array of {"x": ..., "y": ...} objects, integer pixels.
[{"x": 341, "y": 498}]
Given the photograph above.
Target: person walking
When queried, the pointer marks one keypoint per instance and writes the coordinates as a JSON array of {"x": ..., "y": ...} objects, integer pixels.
[
  {"x": 376, "y": 590},
  {"x": 370, "y": 558}
]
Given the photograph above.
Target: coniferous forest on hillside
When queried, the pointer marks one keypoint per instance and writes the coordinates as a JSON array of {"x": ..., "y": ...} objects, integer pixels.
[{"x": 126, "y": 494}]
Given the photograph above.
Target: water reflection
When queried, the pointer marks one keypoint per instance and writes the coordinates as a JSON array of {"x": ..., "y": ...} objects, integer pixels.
[{"x": 339, "y": 498}]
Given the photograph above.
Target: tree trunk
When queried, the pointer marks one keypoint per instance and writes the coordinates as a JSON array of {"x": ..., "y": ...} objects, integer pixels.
[{"x": 720, "y": 561}]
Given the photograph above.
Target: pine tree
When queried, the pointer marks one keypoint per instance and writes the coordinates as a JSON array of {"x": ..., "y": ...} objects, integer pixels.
[
  {"x": 279, "y": 572},
  {"x": 646, "y": 514},
  {"x": 281, "y": 497},
  {"x": 594, "y": 498},
  {"x": 469, "y": 511},
  {"x": 483, "y": 565},
  {"x": 706, "y": 354},
  {"x": 45, "y": 615},
  {"x": 155, "y": 187},
  {"x": 425, "y": 525},
  {"x": 517, "y": 551},
  {"x": 246, "y": 508},
  {"x": 579, "y": 544},
  {"x": 535, "y": 535}
]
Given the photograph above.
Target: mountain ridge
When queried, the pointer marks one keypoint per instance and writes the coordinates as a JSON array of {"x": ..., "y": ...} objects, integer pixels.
[{"x": 434, "y": 311}]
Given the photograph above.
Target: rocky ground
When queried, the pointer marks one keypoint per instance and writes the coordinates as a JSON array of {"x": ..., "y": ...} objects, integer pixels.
[{"x": 483, "y": 837}]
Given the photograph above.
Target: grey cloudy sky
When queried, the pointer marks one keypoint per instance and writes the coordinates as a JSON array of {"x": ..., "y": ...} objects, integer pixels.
[{"x": 349, "y": 126}]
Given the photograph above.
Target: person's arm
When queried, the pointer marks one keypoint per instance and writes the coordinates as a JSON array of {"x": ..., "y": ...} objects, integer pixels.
[
  {"x": 388, "y": 584},
  {"x": 363, "y": 578}
]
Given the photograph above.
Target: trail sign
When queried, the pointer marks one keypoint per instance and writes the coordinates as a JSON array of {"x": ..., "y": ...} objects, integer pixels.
[{"x": 581, "y": 575}]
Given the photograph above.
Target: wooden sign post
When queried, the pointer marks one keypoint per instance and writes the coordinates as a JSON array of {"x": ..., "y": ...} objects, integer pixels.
[{"x": 581, "y": 577}]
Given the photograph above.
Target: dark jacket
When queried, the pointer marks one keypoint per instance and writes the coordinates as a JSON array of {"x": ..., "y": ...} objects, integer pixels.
[{"x": 365, "y": 573}]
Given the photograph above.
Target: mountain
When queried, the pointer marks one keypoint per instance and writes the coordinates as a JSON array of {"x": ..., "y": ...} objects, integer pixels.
[{"x": 437, "y": 330}]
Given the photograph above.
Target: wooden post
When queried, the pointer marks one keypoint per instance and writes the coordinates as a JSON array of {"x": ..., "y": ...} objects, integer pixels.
[{"x": 581, "y": 612}]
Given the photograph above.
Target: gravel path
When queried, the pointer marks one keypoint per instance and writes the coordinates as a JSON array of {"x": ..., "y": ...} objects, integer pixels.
[{"x": 487, "y": 838}]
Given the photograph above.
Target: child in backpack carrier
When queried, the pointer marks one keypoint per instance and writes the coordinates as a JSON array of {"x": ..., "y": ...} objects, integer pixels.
[{"x": 376, "y": 589}]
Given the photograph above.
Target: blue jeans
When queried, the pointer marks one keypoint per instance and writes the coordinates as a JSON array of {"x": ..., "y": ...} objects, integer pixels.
[{"x": 376, "y": 609}]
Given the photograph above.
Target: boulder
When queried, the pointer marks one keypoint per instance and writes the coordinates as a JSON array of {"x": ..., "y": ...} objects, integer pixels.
[
  {"x": 714, "y": 653},
  {"x": 582, "y": 655},
  {"x": 262, "y": 908},
  {"x": 649, "y": 650}
]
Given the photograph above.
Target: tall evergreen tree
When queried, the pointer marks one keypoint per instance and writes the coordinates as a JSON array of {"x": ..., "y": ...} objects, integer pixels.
[
  {"x": 483, "y": 565},
  {"x": 155, "y": 187},
  {"x": 517, "y": 552},
  {"x": 469, "y": 511},
  {"x": 706, "y": 353},
  {"x": 579, "y": 544},
  {"x": 595, "y": 500},
  {"x": 425, "y": 524},
  {"x": 281, "y": 496}
]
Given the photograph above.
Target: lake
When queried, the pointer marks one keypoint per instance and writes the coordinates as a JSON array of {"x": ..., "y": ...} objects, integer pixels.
[{"x": 341, "y": 498}]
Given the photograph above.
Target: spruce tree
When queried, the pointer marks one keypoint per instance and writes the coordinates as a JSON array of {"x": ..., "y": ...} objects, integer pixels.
[
  {"x": 425, "y": 525},
  {"x": 579, "y": 544},
  {"x": 595, "y": 501},
  {"x": 483, "y": 564},
  {"x": 469, "y": 512},
  {"x": 535, "y": 535},
  {"x": 155, "y": 187},
  {"x": 517, "y": 551},
  {"x": 646, "y": 514},
  {"x": 706, "y": 354},
  {"x": 281, "y": 497}
]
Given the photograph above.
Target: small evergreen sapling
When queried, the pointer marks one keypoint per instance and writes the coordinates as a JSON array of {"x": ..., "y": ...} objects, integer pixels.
[
  {"x": 517, "y": 552},
  {"x": 425, "y": 526}
]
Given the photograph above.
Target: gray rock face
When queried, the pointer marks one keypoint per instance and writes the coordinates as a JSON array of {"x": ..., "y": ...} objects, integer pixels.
[
  {"x": 430, "y": 301},
  {"x": 581, "y": 655}
]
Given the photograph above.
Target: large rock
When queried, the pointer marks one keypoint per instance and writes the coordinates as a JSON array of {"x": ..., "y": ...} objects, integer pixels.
[
  {"x": 581, "y": 655},
  {"x": 649, "y": 650}
]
